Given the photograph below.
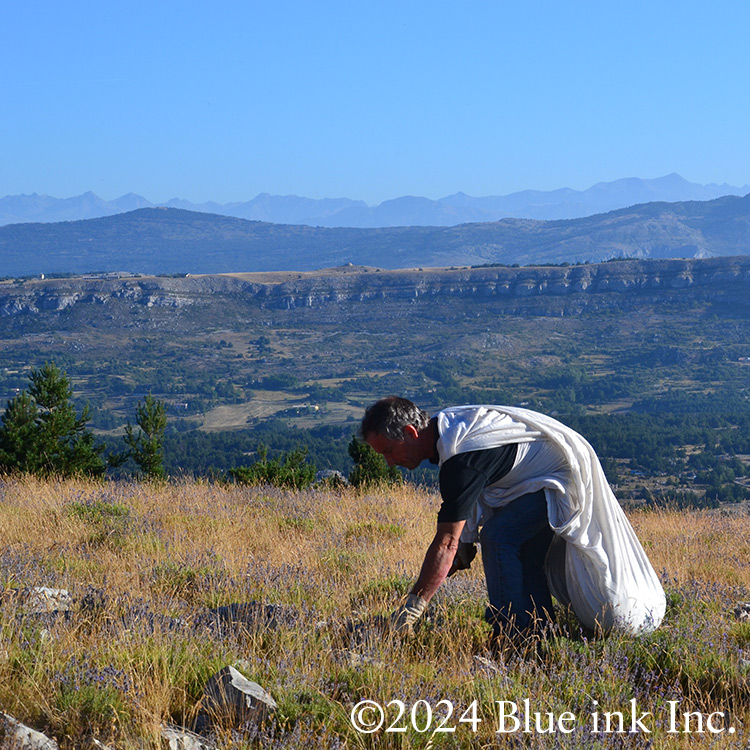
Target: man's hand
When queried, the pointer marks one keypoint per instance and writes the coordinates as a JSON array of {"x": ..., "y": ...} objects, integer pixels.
[
  {"x": 465, "y": 553},
  {"x": 403, "y": 619}
]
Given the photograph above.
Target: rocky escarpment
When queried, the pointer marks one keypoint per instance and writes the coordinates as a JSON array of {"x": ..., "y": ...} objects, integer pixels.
[
  {"x": 723, "y": 275},
  {"x": 725, "y": 279},
  {"x": 56, "y": 295}
]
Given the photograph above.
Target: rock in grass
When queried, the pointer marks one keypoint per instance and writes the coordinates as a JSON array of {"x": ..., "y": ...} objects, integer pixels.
[
  {"x": 486, "y": 666},
  {"x": 180, "y": 738},
  {"x": 367, "y": 633},
  {"x": 742, "y": 611},
  {"x": 17, "y": 736},
  {"x": 230, "y": 695},
  {"x": 40, "y": 600},
  {"x": 331, "y": 478},
  {"x": 358, "y": 660},
  {"x": 249, "y": 615}
]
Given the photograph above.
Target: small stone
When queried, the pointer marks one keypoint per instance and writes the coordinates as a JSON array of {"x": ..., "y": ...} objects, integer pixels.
[
  {"x": 488, "y": 668},
  {"x": 40, "y": 600},
  {"x": 17, "y": 736},
  {"x": 180, "y": 738},
  {"x": 331, "y": 478},
  {"x": 230, "y": 694},
  {"x": 742, "y": 611},
  {"x": 486, "y": 665},
  {"x": 358, "y": 661}
]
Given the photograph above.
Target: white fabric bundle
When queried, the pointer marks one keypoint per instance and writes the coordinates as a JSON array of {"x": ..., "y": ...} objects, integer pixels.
[{"x": 596, "y": 563}]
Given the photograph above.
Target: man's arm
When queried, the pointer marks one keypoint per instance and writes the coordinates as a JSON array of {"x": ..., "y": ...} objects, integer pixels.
[
  {"x": 437, "y": 563},
  {"x": 438, "y": 559},
  {"x": 462, "y": 479}
]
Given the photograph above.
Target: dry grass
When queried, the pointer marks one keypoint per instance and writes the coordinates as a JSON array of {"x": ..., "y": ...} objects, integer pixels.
[
  {"x": 712, "y": 546},
  {"x": 145, "y": 562}
]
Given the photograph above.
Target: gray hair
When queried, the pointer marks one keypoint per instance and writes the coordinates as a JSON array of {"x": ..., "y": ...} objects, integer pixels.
[{"x": 390, "y": 415}]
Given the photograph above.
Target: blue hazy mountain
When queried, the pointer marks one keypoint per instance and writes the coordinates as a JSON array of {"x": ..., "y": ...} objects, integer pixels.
[
  {"x": 452, "y": 210},
  {"x": 171, "y": 240}
]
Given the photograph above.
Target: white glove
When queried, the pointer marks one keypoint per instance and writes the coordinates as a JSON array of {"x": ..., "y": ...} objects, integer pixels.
[{"x": 403, "y": 619}]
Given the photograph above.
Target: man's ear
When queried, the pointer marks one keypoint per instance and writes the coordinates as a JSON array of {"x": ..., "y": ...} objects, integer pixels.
[{"x": 411, "y": 431}]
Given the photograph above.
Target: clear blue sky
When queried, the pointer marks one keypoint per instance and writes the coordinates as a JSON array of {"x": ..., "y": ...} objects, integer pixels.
[{"x": 368, "y": 100}]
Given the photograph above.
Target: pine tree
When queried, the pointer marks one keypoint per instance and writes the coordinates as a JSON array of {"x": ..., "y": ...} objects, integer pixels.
[
  {"x": 41, "y": 433},
  {"x": 18, "y": 435},
  {"x": 147, "y": 444}
]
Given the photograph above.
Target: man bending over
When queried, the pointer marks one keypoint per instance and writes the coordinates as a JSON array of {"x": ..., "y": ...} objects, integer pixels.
[{"x": 533, "y": 493}]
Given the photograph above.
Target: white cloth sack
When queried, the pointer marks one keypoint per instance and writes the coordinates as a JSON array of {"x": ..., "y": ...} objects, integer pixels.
[{"x": 596, "y": 563}]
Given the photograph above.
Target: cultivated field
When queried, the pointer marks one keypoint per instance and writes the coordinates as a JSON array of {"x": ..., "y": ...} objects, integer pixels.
[{"x": 144, "y": 564}]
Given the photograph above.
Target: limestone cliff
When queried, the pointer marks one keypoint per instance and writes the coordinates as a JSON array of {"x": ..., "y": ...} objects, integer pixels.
[{"x": 726, "y": 279}]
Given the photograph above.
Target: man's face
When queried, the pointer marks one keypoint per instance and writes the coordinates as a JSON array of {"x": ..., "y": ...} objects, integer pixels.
[{"x": 406, "y": 452}]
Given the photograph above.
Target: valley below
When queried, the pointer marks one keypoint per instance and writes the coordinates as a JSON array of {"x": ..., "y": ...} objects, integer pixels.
[{"x": 629, "y": 352}]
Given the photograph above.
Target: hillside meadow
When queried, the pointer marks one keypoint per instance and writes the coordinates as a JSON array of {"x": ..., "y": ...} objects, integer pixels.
[{"x": 146, "y": 563}]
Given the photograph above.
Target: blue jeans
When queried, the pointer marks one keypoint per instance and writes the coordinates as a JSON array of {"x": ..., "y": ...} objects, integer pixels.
[{"x": 514, "y": 542}]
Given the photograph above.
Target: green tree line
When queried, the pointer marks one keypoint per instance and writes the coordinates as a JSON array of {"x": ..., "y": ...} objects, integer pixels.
[
  {"x": 41, "y": 433},
  {"x": 696, "y": 440}
]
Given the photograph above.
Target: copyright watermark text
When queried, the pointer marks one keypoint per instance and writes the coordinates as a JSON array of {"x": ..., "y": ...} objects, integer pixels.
[{"x": 510, "y": 717}]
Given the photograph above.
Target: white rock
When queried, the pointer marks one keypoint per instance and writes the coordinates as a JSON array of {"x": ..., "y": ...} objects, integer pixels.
[
  {"x": 183, "y": 739},
  {"x": 41, "y": 600},
  {"x": 230, "y": 694},
  {"x": 20, "y": 737}
]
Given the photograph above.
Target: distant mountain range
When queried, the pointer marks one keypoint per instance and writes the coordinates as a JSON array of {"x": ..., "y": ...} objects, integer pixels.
[
  {"x": 452, "y": 210},
  {"x": 174, "y": 241}
]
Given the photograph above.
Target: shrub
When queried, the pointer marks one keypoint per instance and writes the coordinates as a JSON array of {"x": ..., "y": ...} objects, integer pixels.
[
  {"x": 291, "y": 470},
  {"x": 370, "y": 468}
]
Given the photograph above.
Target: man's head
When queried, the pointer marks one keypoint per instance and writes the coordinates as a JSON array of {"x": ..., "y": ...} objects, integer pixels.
[{"x": 398, "y": 429}]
